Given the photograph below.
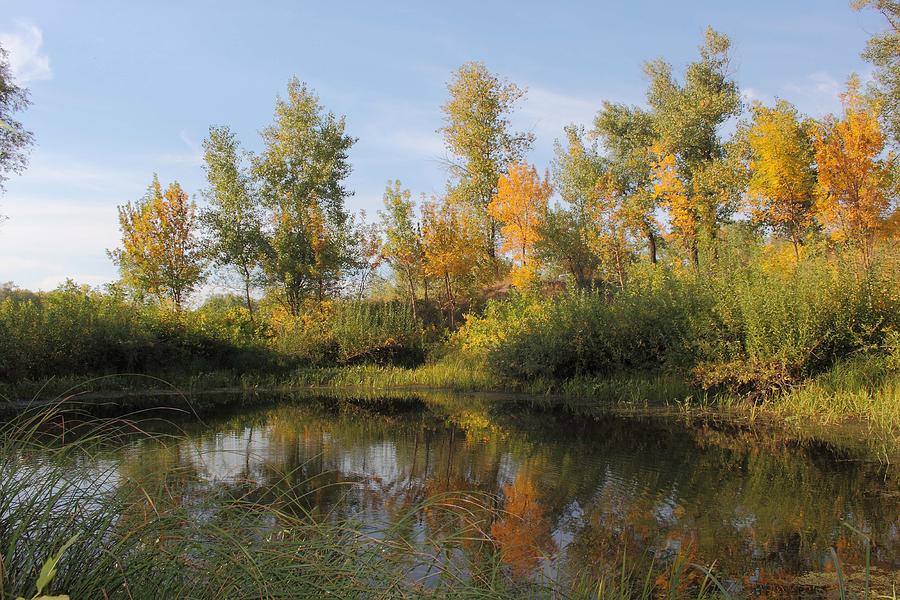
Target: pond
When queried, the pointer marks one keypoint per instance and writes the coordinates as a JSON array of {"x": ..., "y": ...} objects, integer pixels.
[{"x": 572, "y": 490}]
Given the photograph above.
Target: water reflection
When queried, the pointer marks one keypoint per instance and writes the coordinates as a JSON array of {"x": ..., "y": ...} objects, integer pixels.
[{"x": 571, "y": 493}]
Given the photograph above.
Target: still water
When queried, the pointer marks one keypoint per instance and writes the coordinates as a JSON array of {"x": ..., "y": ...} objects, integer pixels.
[{"x": 572, "y": 490}]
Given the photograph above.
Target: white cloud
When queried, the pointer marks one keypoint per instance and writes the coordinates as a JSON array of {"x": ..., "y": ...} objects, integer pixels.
[
  {"x": 27, "y": 60},
  {"x": 546, "y": 112},
  {"x": 816, "y": 94},
  {"x": 44, "y": 241}
]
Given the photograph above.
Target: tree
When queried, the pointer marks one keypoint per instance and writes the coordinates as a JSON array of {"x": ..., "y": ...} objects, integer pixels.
[
  {"x": 883, "y": 51},
  {"x": 477, "y": 132},
  {"x": 669, "y": 188},
  {"x": 686, "y": 119},
  {"x": 368, "y": 253},
  {"x": 520, "y": 207},
  {"x": 451, "y": 247},
  {"x": 403, "y": 241},
  {"x": 853, "y": 198},
  {"x": 609, "y": 237},
  {"x": 628, "y": 134},
  {"x": 233, "y": 217},
  {"x": 160, "y": 252},
  {"x": 15, "y": 140},
  {"x": 782, "y": 172},
  {"x": 302, "y": 172},
  {"x": 564, "y": 237}
]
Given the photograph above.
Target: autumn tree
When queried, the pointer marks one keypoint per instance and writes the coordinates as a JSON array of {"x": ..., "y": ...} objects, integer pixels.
[
  {"x": 686, "y": 119},
  {"x": 520, "y": 207},
  {"x": 478, "y": 134},
  {"x": 782, "y": 172},
  {"x": 161, "y": 254},
  {"x": 853, "y": 196},
  {"x": 451, "y": 247},
  {"x": 301, "y": 173},
  {"x": 627, "y": 133},
  {"x": 15, "y": 140},
  {"x": 610, "y": 237},
  {"x": 368, "y": 252},
  {"x": 883, "y": 51},
  {"x": 403, "y": 239},
  {"x": 232, "y": 219}
]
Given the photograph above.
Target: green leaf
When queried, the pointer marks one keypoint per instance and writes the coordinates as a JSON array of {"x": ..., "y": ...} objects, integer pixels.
[{"x": 48, "y": 570}]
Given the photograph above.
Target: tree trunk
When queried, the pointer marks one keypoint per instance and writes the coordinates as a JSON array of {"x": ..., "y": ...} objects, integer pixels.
[
  {"x": 412, "y": 296},
  {"x": 651, "y": 244},
  {"x": 450, "y": 299},
  {"x": 247, "y": 291}
]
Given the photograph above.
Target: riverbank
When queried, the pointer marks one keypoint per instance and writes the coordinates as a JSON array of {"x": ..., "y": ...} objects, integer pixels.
[{"x": 855, "y": 401}]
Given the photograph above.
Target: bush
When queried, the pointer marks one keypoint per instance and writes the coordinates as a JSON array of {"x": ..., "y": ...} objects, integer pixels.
[{"x": 744, "y": 329}]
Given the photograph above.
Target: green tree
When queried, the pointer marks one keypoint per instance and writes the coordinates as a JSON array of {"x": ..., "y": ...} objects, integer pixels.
[
  {"x": 161, "y": 254},
  {"x": 233, "y": 217},
  {"x": 883, "y": 51},
  {"x": 403, "y": 239},
  {"x": 687, "y": 117},
  {"x": 15, "y": 140},
  {"x": 577, "y": 169},
  {"x": 301, "y": 173},
  {"x": 627, "y": 133},
  {"x": 479, "y": 136}
]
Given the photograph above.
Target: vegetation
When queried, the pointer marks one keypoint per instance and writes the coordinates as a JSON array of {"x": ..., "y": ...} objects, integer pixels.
[{"x": 740, "y": 267}]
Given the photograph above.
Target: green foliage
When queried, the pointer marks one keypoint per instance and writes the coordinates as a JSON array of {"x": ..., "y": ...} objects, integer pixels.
[
  {"x": 749, "y": 330},
  {"x": 232, "y": 220},
  {"x": 347, "y": 332},
  {"x": 302, "y": 173},
  {"x": 15, "y": 140},
  {"x": 77, "y": 331}
]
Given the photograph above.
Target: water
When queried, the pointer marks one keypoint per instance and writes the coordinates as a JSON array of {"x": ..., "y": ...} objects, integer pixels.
[{"x": 572, "y": 490}]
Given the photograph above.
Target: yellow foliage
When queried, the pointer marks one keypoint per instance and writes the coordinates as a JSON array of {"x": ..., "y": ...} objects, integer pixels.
[
  {"x": 782, "y": 180},
  {"x": 523, "y": 534},
  {"x": 672, "y": 194},
  {"x": 520, "y": 205},
  {"x": 853, "y": 189}
]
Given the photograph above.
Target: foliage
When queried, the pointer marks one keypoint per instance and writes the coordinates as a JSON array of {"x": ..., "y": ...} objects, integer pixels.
[
  {"x": 744, "y": 329},
  {"x": 883, "y": 51},
  {"x": 301, "y": 173},
  {"x": 520, "y": 207},
  {"x": 854, "y": 194},
  {"x": 232, "y": 220},
  {"x": 15, "y": 140},
  {"x": 451, "y": 247},
  {"x": 403, "y": 245},
  {"x": 160, "y": 254},
  {"x": 477, "y": 132},
  {"x": 782, "y": 181},
  {"x": 686, "y": 118}
]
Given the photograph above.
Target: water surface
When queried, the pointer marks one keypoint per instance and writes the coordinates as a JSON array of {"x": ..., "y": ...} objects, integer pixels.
[{"x": 571, "y": 491}]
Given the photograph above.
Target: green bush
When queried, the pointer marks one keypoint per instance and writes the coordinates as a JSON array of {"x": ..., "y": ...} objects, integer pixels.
[{"x": 746, "y": 329}]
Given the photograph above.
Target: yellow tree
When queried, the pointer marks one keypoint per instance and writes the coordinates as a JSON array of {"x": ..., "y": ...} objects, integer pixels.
[
  {"x": 853, "y": 199},
  {"x": 670, "y": 190},
  {"x": 520, "y": 206},
  {"x": 613, "y": 217},
  {"x": 160, "y": 253},
  {"x": 782, "y": 174},
  {"x": 450, "y": 238}
]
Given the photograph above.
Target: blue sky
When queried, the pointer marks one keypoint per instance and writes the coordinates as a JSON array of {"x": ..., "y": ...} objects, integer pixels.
[{"x": 121, "y": 90}]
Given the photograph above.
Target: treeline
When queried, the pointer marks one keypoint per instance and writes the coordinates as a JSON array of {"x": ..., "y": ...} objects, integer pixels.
[{"x": 656, "y": 184}]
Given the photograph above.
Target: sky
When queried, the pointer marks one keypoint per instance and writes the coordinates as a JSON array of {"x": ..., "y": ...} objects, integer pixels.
[{"x": 123, "y": 90}]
